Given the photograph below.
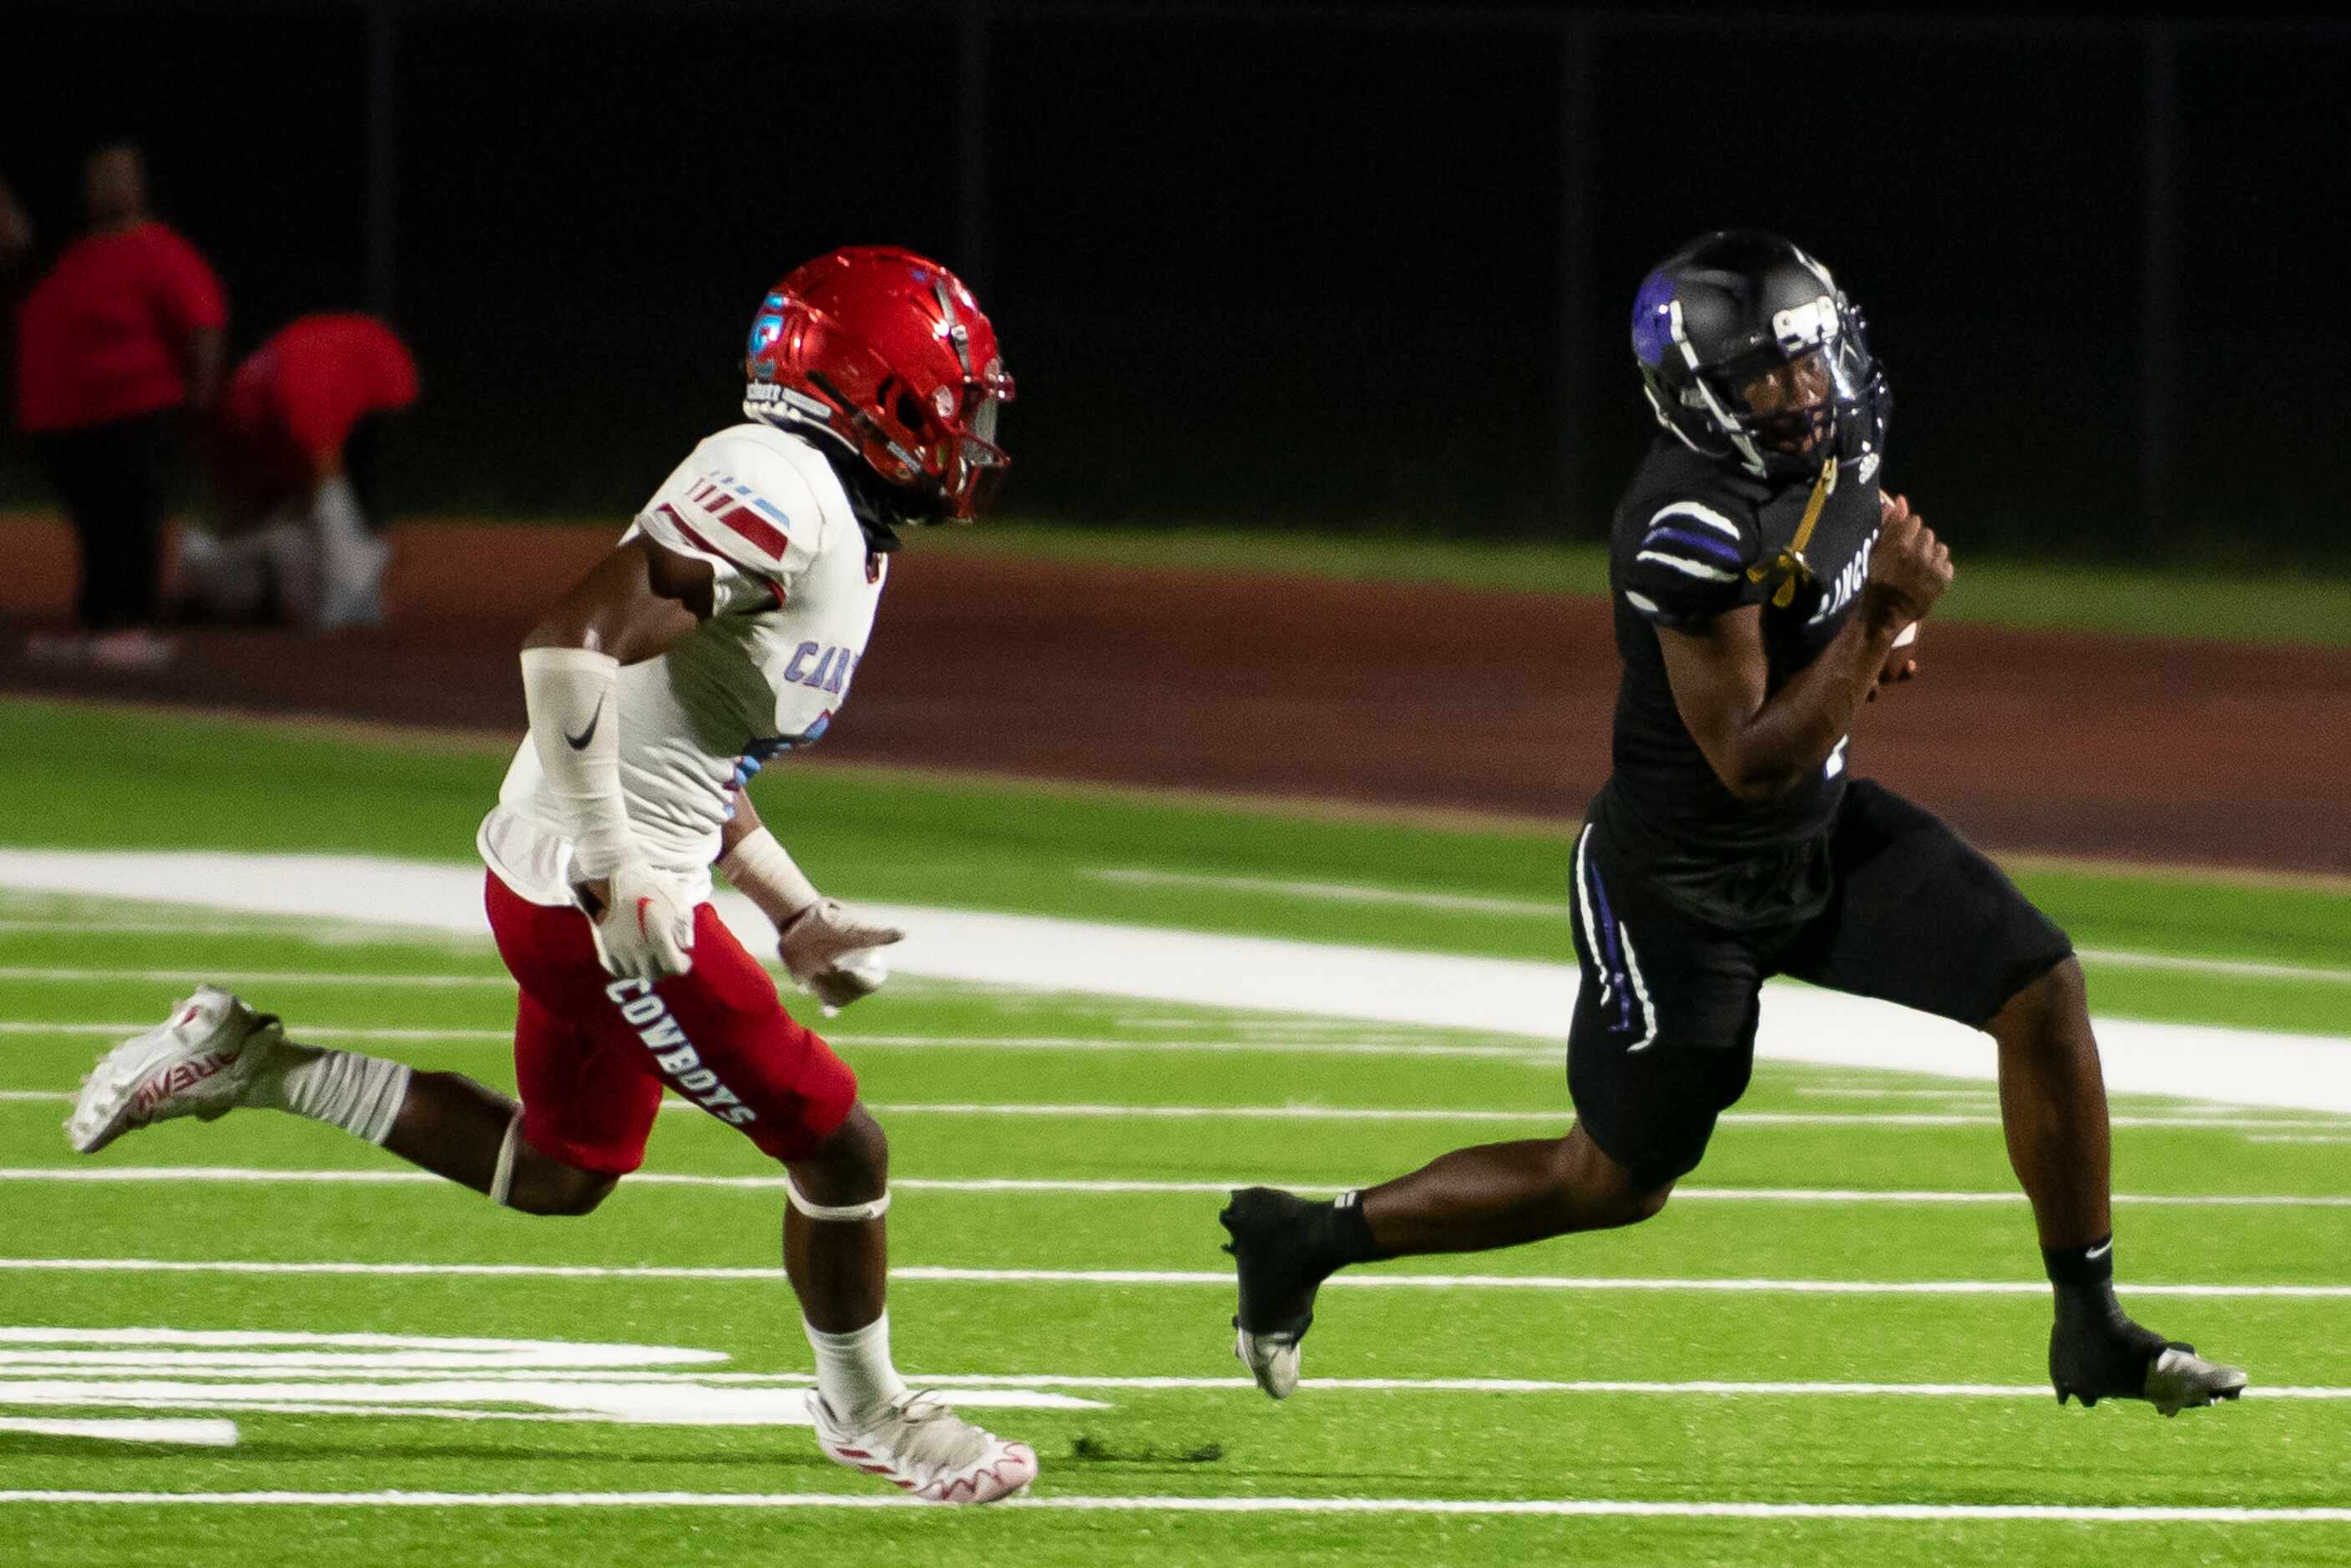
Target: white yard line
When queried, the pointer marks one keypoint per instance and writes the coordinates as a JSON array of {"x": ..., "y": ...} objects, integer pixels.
[
  {"x": 1222, "y": 1280},
  {"x": 1330, "y": 892},
  {"x": 2233, "y": 968},
  {"x": 1548, "y": 1059},
  {"x": 1559, "y": 1114},
  {"x": 248, "y": 978},
  {"x": 1554, "y": 1508},
  {"x": 1105, "y": 1187},
  {"x": 185, "y": 1434},
  {"x": 232, "y": 1381},
  {"x": 1555, "y": 1116},
  {"x": 305, "y": 1031},
  {"x": 1489, "y": 996}
]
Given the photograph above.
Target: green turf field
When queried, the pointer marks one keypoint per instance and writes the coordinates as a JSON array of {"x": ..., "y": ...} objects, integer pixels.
[{"x": 1706, "y": 1388}]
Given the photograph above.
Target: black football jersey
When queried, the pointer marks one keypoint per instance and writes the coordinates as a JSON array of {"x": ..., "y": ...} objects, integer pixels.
[{"x": 1696, "y": 538}]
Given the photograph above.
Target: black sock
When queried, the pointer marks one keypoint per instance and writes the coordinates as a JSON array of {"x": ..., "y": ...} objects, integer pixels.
[
  {"x": 1337, "y": 1234},
  {"x": 2080, "y": 1266}
]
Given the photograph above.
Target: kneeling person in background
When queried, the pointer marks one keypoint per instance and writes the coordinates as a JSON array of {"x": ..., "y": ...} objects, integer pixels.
[{"x": 297, "y": 538}]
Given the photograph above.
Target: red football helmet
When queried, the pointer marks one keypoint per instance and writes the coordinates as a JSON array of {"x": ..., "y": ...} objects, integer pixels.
[{"x": 888, "y": 354}]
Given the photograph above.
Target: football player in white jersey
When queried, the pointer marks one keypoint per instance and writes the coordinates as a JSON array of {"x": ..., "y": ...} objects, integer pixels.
[{"x": 725, "y": 627}]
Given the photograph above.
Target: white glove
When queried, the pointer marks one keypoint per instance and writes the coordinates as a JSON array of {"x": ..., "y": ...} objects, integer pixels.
[
  {"x": 835, "y": 952},
  {"x": 644, "y": 927}
]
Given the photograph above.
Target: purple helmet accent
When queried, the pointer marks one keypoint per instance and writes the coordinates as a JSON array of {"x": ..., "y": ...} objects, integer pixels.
[{"x": 1652, "y": 319}]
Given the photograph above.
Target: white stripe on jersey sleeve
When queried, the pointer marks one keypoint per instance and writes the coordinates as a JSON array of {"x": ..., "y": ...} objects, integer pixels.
[
  {"x": 1688, "y": 568},
  {"x": 1696, "y": 514}
]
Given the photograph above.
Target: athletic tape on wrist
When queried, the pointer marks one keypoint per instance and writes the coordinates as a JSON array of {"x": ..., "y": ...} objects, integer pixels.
[
  {"x": 841, "y": 1213},
  {"x": 764, "y": 872},
  {"x": 502, "y": 1178}
]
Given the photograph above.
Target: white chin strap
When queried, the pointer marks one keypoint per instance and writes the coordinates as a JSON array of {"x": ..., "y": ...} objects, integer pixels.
[
  {"x": 502, "y": 1178},
  {"x": 847, "y": 1212}
]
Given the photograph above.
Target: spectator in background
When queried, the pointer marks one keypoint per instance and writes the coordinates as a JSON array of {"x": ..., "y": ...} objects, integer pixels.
[
  {"x": 123, "y": 331},
  {"x": 292, "y": 448}
]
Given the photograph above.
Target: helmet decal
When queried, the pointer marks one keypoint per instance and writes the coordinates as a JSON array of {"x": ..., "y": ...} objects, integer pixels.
[
  {"x": 1727, "y": 313},
  {"x": 1653, "y": 328},
  {"x": 767, "y": 325}
]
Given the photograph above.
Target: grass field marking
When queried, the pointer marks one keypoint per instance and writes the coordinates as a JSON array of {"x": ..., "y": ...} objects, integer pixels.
[
  {"x": 1538, "y": 1507},
  {"x": 305, "y": 1031},
  {"x": 34, "y": 1096},
  {"x": 233, "y": 977},
  {"x": 1172, "y": 1277},
  {"x": 1534, "y": 1057},
  {"x": 2233, "y": 968},
  {"x": 1546, "y": 1058},
  {"x": 1436, "y": 1114},
  {"x": 1110, "y": 1187},
  {"x": 1384, "y": 986},
  {"x": 222, "y": 1391},
  {"x": 1410, "y": 898},
  {"x": 1330, "y": 892},
  {"x": 181, "y": 1434},
  {"x": 1922, "y": 1120}
]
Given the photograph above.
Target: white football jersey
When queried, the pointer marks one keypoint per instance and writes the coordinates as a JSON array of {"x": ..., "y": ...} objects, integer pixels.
[{"x": 794, "y": 595}]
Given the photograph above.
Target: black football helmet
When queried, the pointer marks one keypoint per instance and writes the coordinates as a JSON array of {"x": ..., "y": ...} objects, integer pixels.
[{"x": 1721, "y": 320}]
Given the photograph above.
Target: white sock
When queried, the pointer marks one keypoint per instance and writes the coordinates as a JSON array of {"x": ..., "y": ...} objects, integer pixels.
[
  {"x": 360, "y": 1094},
  {"x": 852, "y": 1370}
]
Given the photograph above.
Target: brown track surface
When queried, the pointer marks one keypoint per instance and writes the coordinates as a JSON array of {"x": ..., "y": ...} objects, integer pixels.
[{"x": 1393, "y": 694}]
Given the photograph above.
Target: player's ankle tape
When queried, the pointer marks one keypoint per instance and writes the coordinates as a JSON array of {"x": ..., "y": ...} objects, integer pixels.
[
  {"x": 2090, "y": 1265},
  {"x": 844, "y": 1213}
]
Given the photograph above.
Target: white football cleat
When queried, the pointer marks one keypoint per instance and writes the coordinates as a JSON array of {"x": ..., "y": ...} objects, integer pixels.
[
  {"x": 196, "y": 1062},
  {"x": 918, "y": 1445},
  {"x": 1271, "y": 1358}
]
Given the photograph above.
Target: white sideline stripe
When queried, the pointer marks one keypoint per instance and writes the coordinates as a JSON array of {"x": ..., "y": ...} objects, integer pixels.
[
  {"x": 1330, "y": 892},
  {"x": 305, "y": 1031},
  {"x": 192, "y": 1434},
  {"x": 1559, "y": 1508},
  {"x": 1222, "y": 1279},
  {"x": 103, "y": 1174},
  {"x": 1358, "y": 893},
  {"x": 232, "y": 978},
  {"x": 1489, "y": 996},
  {"x": 2238, "y": 968}
]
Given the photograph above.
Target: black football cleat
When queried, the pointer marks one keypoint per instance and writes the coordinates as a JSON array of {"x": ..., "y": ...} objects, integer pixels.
[
  {"x": 1277, "y": 1284},
  {"x": 2096, "y": 1352}
]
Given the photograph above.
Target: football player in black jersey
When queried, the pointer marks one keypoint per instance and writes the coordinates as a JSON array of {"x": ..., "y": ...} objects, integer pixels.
[{"x": 1763, "y": 588}]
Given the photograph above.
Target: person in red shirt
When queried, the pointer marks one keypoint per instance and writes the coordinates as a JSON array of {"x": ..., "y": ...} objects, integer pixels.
[
  {"x": 123, "y": 329},
  {"x": 291, "y": 447}
]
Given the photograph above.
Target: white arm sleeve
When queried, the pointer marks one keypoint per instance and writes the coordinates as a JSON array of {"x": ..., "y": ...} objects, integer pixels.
[{"x": 572, "y": 693}]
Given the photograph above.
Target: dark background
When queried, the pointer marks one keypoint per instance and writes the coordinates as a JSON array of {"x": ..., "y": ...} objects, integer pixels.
[{"x": 1303, "y": 266}]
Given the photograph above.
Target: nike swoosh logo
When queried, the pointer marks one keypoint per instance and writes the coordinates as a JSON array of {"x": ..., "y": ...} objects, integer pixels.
[
  {"x": 2094, "y": 1253},
  {"x": 579, "y": 741}
]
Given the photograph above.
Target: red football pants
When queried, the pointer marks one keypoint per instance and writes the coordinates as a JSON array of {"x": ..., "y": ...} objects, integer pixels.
[{"x": 592, "y": 1054}]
